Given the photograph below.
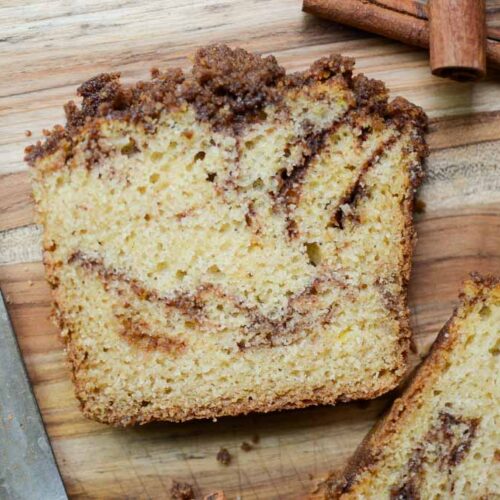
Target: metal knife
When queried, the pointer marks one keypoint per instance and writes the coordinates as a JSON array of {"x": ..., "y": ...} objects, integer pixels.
[{"x": 28, "y": 470}]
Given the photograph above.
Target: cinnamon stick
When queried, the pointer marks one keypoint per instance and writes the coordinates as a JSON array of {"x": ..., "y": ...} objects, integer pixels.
[
  {"x": 417, "y": 8},
  {"x": 458, "y": 39},
  {"x": 406, "y": 23}
]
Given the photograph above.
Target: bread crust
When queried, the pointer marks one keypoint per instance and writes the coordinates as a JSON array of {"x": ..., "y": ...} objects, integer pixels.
[
  {"x": 292, "y": 401},
  {"x": 244, "y": 84},
  {"x": 369, "y": 451}
]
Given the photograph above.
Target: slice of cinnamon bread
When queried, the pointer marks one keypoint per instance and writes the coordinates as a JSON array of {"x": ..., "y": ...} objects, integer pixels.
[
  {"x": 232, "y": 239},
  {"x": 441, "y": 439}
]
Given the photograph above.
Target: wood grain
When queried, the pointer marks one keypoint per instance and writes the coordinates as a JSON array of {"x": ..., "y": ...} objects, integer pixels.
[
  {"x": 16, "y": 209},
  {"x": 48, "y": 49}
]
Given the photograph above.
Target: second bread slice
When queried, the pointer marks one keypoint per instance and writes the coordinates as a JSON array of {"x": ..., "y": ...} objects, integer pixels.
[{"x": 441, "y": 439}]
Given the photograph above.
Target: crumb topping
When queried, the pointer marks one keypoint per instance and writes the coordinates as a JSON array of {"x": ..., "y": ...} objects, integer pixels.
[{"x": 228, "y": 88}]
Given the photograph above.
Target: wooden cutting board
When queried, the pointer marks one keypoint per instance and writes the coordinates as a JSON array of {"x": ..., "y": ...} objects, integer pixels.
[{"x": 47, "y": 49}]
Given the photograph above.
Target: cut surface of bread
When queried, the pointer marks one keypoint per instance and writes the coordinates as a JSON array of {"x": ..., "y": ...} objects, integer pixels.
[
  {"x": 231, "y": 239},
  {"x": 441, "y": 439}
]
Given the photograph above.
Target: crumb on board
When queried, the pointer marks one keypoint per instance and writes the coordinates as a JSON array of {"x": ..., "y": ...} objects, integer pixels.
[
  {"x": 27, "y": 133},
  {"x": 255, "y": 438},
  {"x": 181, "y": 491},
  {"x": 223, "y": 456},
  {"x": 30, "y": 282},
  {"x": 246, "y": 446}
]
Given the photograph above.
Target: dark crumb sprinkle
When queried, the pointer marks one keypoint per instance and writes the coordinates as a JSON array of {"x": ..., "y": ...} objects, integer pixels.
[
  {"x": 420, "y": 206},
  {"x": 255, "y": 438},
  {"x": 181, "y": 491},
  {"x": 223, "y": 456},
  {"x": 246, "y": 446},
  {"x": 311, "y": 476},
  {"x": 27, "y": 133}
]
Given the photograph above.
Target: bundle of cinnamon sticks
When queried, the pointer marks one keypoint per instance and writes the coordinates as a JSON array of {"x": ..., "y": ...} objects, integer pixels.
[{"x": 455, "y": 30}]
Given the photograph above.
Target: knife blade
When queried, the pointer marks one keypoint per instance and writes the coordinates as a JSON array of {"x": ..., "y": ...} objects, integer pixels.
[{"x": 28, "y": 470}]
